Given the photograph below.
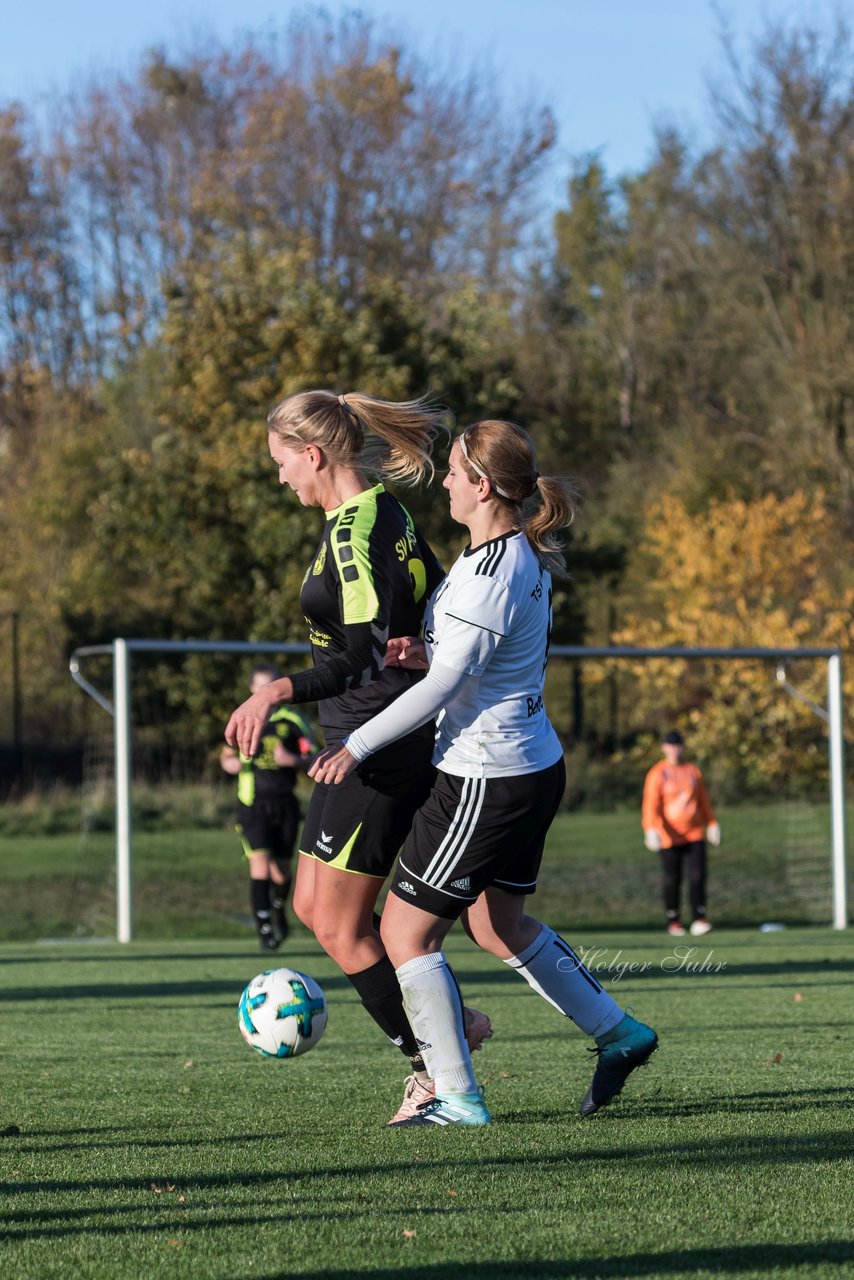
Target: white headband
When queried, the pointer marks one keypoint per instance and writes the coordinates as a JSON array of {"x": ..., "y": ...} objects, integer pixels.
[{"x": 475, "y": 467}]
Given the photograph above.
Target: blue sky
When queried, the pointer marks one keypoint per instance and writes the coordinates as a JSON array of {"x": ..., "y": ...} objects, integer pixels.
[{"x": 611, "y": 69}]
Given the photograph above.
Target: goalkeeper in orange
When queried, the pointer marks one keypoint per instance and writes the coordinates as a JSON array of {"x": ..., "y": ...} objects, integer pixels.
[{"x": 677, "y": 820}]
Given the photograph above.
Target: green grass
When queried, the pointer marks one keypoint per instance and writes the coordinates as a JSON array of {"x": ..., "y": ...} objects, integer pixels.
[
  {"x": 774, "y": 864},
  {"x": 153, "y": 1143}
]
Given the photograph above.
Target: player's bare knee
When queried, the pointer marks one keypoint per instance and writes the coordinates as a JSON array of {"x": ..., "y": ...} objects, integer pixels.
[
  {"x": 337, "y": 943},
  {"x": 302, "y": 908}
]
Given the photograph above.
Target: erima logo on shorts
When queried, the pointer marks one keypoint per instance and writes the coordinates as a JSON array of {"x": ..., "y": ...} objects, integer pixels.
[
  {"x": 464, "y": 884},
  {"x": 323, "y": 842},
  {"x": 407, "y": 887}
]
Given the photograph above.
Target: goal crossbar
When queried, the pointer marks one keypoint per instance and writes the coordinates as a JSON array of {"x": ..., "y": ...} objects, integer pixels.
[{"x": 121, "y": 649}]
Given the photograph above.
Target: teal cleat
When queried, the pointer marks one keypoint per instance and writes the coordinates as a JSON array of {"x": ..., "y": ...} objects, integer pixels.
[
  {"x": 629, "y": 1045},
  {"x": 458, "y": 1108}
]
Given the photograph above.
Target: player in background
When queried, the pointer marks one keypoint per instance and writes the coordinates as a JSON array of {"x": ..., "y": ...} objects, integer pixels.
[
  {"x": 476, "y": 844},
  {"x": 370, "y": 578},
  {"x": 267, "y": 815},
  {"x": 676, "y": 816}
]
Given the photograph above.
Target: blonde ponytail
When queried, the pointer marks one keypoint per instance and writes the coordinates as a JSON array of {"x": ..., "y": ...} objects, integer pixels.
[{"x": 390, "y": 438}]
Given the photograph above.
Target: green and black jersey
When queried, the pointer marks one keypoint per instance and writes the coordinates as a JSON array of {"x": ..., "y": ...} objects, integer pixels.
[
  {"x": 260, "y": 778},
  {"x": 371, "y": 578}
]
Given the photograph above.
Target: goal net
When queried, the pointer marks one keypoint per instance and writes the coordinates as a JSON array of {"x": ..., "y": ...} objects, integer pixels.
[
  {"x": 765, "y": 727},
  {"x": 158, "y": 855}
]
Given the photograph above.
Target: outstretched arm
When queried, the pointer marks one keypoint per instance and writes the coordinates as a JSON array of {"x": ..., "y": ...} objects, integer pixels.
[
  {"x": 355, "y": 666},
  {"x": 413, "y": 708}
]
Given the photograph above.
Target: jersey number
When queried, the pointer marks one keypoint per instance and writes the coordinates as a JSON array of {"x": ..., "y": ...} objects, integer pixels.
[{"x": 418, "y": 577}]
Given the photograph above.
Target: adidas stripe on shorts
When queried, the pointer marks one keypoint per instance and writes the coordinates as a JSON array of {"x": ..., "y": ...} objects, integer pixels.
[{"x": 473, "y": 833}]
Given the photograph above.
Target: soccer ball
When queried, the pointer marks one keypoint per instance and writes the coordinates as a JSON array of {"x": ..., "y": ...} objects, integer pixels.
[{"x": 282, "y": 1013}]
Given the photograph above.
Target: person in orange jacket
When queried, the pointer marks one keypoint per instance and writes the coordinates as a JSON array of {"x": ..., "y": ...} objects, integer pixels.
[{"x": 677, "y": 819}]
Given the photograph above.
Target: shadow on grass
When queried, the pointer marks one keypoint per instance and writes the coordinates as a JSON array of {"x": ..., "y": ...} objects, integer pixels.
[
  {"x": 146, "y": 990},
  {"x": 93, "y": 1140},
  {"x": 837, "y": 1098},
  {"x": 37, "y": 1141},
  {"x": 819, "y": 1148},
  {"x": 53, "y": 951},
  {"x": 764, "y": 1258},
  {"x": 653, "y": 1106}
]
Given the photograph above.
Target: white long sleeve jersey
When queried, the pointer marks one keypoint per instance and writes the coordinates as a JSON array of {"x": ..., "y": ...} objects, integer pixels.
[{"x": 487, "y": 629}]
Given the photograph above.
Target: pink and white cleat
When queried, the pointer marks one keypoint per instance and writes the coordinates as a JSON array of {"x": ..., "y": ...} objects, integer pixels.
[{"x": 416, "y": 1094}]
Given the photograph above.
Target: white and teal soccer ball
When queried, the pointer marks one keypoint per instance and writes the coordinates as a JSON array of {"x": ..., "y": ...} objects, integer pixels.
[{"x": 282, "y": 1013}]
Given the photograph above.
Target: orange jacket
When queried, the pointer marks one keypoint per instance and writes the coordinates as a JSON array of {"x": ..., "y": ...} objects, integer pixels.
[{"x": 676, "y": 803}]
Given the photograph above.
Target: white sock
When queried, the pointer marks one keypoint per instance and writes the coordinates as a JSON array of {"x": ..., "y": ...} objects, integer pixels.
[
  {"x": 434, "y": 1008},
  {"x": 556, "y": 973}
]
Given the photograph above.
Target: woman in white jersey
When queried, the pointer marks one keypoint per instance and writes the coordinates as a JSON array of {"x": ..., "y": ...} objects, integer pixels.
[{"x": 476, "y": 843}]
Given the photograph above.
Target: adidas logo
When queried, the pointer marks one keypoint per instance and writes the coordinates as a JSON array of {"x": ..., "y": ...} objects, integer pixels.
[
  {"x": 464, "y": 883},
  {"x": 407, "y": 887}
]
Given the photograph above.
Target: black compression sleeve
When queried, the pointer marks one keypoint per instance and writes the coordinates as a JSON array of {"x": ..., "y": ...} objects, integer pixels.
[{"x": 360, "y": 662}]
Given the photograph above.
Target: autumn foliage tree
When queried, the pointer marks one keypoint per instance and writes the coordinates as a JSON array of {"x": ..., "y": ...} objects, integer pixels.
[{"x": 744, "y": 574}]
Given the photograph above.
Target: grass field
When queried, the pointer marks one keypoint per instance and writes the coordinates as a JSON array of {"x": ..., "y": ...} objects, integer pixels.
[
  {"x": 774, "y": 864},
  {"x": 143, "y": 1139}
]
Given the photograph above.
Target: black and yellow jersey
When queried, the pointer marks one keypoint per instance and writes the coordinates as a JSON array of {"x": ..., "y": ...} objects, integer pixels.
[
  {"x": 370, "y": 579},
  {"x": 260, "y": 778}
]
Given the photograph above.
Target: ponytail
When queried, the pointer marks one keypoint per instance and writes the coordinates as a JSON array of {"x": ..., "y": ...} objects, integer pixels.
[
  {"x": 504, "y": 454},
  {"x": 390, "y": 438},
  {"x": 542, "y": 520}
]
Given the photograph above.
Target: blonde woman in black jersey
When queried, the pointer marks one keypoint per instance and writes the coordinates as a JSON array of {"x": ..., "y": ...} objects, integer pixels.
[{"x": 370, "y": 579}]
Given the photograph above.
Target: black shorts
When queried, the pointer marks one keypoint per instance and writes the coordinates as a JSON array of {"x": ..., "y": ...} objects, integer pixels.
[
  {"x": 269, "y": 826},
  {"x": 474, "y": 833},
  {"x": 361, "y": 824}
]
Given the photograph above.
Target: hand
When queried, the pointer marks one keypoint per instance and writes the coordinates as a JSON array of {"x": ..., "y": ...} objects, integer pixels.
[
  {"x": 244, "y": 728},
  {"x": 408, "y": 652},
  {"x": 332, "y": 765},
  {"x": 713, "y": 833},
  {"x": 652, "y": 840}
]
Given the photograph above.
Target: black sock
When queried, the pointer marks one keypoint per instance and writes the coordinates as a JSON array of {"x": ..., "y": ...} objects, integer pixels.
[
  {"x": 259, "y": 896},
  {"x": 379, "y": 992},
  {"x": 417, "y": 1061},
  {"x": 278, "y": 897}
]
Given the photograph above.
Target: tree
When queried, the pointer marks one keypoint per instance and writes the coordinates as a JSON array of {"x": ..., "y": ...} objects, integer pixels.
[
  {"x": 329, "y": 141},
  {"x": 762, "y": 573},
  {"x": 778, "y": 214},
  {"x": 39, "y": 308},
  {"x": 187, "y": 534}
]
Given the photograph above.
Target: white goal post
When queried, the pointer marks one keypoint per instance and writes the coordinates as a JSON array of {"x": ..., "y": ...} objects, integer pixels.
[{"x": 120, "y": 709}]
